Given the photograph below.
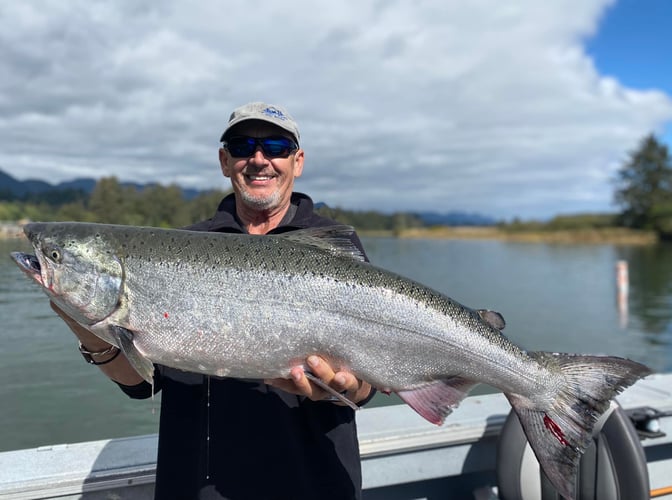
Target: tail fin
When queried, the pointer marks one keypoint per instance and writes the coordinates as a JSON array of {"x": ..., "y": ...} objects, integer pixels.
[{"x": 560, "y": 433}]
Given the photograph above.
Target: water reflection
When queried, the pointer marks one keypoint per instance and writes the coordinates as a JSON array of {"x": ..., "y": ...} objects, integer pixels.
[
  {"x": 622, "y": 290},
  {"x": 650, "y": 295}
]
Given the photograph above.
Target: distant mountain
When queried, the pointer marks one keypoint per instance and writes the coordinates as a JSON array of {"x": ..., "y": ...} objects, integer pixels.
[
  {"x": 11, "y": 188},
  {"x": 443, "y": 219},
  {"x": 9, "y": 184},
  {"x": 83, "y": 184}
]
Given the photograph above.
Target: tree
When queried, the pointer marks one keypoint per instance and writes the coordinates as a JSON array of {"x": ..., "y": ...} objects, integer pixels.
[
  {"x": 112, "y": 203},
  {"x": 644, "y": 188},
  {"x": 204, "y": 205},
  {"x": 162, "y": 206}
]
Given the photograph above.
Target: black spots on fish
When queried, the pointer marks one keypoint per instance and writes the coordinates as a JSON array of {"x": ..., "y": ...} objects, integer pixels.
[
  {"x": 124, "y": 247},
  {"x": 410, "y": 288},
  {"x": 317, "y": 273},
  {"x": 264, "y": 265},
  {"x": 325, "y": 277}
]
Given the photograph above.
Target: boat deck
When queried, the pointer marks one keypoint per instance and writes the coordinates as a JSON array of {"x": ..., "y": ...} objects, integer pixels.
[{"x": 403, "y": 456}]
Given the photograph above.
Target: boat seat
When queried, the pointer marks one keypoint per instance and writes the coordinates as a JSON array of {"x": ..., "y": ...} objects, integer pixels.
[{"x": 612, "y": 468}]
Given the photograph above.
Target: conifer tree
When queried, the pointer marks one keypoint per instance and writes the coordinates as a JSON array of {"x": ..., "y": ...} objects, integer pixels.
[{"x": 644, "y": 188}]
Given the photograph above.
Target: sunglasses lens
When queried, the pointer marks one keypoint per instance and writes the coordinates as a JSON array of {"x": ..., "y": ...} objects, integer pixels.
[
  {"x": 273, "y": 147},
  {"x": 240, "y": 147},
  {"x": 276, "y": 147}
]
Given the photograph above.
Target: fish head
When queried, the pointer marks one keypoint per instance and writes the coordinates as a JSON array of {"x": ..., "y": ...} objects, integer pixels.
[{"x": 76, "y": 267}]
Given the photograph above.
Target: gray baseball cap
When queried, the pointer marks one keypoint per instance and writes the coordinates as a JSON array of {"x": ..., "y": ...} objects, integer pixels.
[{"x": 277, "y": 115}]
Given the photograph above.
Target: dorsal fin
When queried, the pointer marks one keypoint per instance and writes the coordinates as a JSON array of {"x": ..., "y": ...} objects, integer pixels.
[
  {"x": 333, "y": 239},
  {"x": 493, "y": 318}
]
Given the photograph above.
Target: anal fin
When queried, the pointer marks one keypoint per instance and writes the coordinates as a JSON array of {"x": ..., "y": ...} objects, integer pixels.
[{"x": 436, "y": 400}]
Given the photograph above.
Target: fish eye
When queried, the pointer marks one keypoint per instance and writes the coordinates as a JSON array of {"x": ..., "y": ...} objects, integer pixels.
[{"x": 54, "y": 254}]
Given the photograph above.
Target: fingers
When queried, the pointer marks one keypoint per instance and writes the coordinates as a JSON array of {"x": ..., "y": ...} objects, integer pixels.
[{"x": 298, "y": 383}]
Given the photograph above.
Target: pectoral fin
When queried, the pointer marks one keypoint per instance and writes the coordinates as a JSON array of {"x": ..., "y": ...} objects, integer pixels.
[
  {"x": 337, "y": 395},
  {"x": 142, "y": 365}
]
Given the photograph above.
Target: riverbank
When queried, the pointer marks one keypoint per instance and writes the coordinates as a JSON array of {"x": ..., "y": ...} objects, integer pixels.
[
  {"x": 614, "y": 235},
  {"x": 9, "y": 230}
]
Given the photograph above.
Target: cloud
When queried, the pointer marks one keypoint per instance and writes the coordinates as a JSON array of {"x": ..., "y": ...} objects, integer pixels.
[{"x": 484, "y": 106}]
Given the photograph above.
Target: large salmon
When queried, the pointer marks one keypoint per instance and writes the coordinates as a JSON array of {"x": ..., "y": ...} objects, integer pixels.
[{"x": 235, "y": 305}]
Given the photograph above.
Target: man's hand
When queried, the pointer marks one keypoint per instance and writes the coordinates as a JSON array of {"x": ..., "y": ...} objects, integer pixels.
[{"x": 344, "y": 382}]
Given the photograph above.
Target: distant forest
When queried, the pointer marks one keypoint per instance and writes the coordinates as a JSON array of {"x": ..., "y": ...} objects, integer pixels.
[
  {"x": 643, "y": 191},
  {"x": 112, "y": 202}
]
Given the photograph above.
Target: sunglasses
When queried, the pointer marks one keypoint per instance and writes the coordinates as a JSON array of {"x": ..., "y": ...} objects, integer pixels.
[{"x": 273, "y": 147}]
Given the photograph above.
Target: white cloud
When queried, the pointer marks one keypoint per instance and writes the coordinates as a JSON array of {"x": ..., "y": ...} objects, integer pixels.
[{"x": 484, "y": 105}]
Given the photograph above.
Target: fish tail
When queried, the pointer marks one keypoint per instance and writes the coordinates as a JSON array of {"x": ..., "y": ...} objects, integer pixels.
[{"x": 561, "y": 431}]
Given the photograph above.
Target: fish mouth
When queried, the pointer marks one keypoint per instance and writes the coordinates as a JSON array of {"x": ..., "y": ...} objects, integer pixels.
[{"x": 29, "y": 264}]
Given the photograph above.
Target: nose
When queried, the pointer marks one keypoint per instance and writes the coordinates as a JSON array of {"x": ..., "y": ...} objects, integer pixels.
[{"x": 258, "y": 156}]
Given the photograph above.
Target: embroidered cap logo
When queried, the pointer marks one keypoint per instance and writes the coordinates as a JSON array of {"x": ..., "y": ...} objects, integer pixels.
[{"x": 274, "y": 113}]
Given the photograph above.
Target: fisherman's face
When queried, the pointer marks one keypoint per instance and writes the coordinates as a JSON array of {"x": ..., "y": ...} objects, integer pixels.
[{"x": 259, "y": 181}]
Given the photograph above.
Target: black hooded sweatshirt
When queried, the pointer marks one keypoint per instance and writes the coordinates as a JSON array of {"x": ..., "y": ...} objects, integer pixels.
[{"x": 225, "y": 438}]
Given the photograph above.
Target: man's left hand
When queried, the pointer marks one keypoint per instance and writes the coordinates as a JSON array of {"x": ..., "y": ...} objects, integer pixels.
[{"x": 343, "y": 381}]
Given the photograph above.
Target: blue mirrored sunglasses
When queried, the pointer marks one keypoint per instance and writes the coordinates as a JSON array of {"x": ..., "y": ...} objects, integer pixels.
[{"x": 273, "y": 147}]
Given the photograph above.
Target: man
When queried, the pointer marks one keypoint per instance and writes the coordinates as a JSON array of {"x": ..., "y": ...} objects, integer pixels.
[{"x": 250, "y": 439}]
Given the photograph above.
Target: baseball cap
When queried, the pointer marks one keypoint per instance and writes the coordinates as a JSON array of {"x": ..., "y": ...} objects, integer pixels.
[{"x": 277, "y": 115}]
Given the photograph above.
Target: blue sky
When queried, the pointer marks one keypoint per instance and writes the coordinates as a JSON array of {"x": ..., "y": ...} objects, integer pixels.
[
  {"x": 523, "y": 108},
  {"x": 634, "y": 43}
]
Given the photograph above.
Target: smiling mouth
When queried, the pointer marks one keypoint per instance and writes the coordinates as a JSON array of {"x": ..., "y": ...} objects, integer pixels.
[{"x": 260, "y": 177}]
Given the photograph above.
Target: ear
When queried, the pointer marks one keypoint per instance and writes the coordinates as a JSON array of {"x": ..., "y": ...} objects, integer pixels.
[
  {"x": 298, "y": 163},
  {"x": 224, "y": 160}
]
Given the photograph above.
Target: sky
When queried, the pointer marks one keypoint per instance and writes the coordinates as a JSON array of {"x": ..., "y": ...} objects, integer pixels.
[{"x": 507, "y": 109}]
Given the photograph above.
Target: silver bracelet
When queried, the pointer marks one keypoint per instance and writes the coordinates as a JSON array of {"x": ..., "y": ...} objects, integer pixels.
[
  {"x": 83, "y": 350},
  {"x": 88, "y": 355}
]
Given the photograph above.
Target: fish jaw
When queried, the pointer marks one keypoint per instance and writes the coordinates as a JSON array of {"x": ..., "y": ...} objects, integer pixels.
[{"x": 30, "y": 266}]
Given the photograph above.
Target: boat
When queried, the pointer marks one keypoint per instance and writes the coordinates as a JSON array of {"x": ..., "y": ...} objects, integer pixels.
[{"x": 403, "y": 456}]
